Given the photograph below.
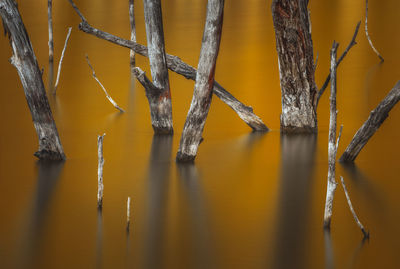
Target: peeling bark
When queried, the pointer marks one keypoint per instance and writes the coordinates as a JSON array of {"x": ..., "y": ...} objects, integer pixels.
[
  {"x": 202, "y": 94},
  {"x": 175, "y": 64},
  {"x": 161, "y": 115},
  {"x": 296, "y": 65},
  {"x": 371, "y": 125},
  {"x": 332, "y": 148},
  {"x": 24, "y": 60}
]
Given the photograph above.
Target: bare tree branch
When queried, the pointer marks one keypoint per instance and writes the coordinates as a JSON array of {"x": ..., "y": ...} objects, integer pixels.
[
  {"x": 101, "y": 85},
  {"x": 61, "y": 59},
  {"x": 365, "y": 233},
  {"x": 367, "y": 34},
  {"x": 328, "y": 78}
]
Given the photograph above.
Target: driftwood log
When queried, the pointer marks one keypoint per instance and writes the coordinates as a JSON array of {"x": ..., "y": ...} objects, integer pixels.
[
  {"x": 371, "y": 125},
  {"x": 332, "y": 148},
  {"x": 175, "y": 64},
  {"x": 24, "y": 60},
  {"x": 202, "y": 94},
  {"x": 161, "y": 111},
  {"x": 296, "y": 65}
]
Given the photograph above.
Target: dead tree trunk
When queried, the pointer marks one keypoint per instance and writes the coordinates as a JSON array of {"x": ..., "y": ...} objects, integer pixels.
[
  {"x": 133, "y": 31},
  {"x": 372, "y": 124},
  {"x": 296, "y": 65},
  {"x": 332, "y": 149},
  {"x": 202, "y": 94},
  {"x": 175, "y": 64},
  {"x": 161, "y": 117},
  {"x": 25, "y": 62}
]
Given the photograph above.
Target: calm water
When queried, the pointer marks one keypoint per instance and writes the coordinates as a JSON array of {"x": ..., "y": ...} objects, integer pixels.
[{"x": 250, "y": 201}]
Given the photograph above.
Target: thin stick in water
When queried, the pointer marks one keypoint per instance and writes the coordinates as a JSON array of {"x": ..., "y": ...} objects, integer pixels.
[
  {"x": 101, "y": 85},
  {"x": 367, "y": 34},
  {"x": 365, "y": 232},
  {"x": 128, "y": 213},
  {"x": 133, "y": 31},
  {"x": 100, "y": 186},
  {"x": 61, "y": 59},
  {"x": 332, "y": 148},
  {"x": 50, "y": 22}
]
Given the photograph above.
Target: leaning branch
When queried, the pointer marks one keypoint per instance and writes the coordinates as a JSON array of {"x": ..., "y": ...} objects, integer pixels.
[
  {"x": 365, "y": 233},
  {"x": 101, "y": 85},
  {"x": 328, "y": 78},
  {"x": 371, "y": 125},
  {"x": 175, "y": 64},
  {"x": 332, "y": 148},
  {"x": 61, "y": 59},
  {"x": 367, "y": 34}
]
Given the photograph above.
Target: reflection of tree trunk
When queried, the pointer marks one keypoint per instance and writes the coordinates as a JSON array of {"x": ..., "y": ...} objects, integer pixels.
[
  {"x": 158, "y": 178},
  {"x": 203, "y": 89},
  {"x": 297, "y": 163},
  {"x": 161, "y": 113},
  {"x": 329, "y": 253},
  {"x": 296, "y": 65},
  {"x": 202, "y": 245},
  {"x": 47, "y": 179},
  {"x": 25, "y": 62}
]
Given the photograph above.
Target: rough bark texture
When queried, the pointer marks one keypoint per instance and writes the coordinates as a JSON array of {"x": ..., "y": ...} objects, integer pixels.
[
  {"x": 202, "y": 94},
  {"x": 296, "y": 65},
  {"x": 25, "y": 62},
  {"x": 372, "y": 124},
  {"x": 332, "y": 148},
  {"x": 161, "y": 115},
  {"x": 133, "y": 31},
  {"x": 175, "y": 64},
  {"x": 50, "y": 22}
]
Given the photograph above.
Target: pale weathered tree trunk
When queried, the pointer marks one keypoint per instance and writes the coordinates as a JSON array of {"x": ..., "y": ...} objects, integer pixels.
[
  {"x": 203, "y": 89},
  {"x": 50, "y": 23},
  {"x": 133, "y": 31},
  {"x": 161, "y": 117},
  {"x": 25, "y": 62},
  {"x": 296, "y": 65}
]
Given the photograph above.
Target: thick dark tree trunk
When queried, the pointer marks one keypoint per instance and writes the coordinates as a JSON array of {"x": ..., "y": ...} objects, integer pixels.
[
  {"x": 25, "y": 62},
  {"x": 203, "y": 89},
  {"x": 296, "y": 65},
  {"x": 161, "y": 117},
  {"x": 371, "y": 125}
]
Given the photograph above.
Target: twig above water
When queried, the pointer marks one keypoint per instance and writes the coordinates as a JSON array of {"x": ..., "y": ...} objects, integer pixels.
[{"x": 61, "y": 59}]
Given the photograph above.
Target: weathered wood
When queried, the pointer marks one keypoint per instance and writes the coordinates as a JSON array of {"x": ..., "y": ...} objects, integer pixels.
[
  {"x": 100, "y": 185},
  {"x": 61, "y": 59},
  {"x": 175, "y": 64},
  {"x": 133, "y": 31},
  {"x": 128, "y": 213},
  {"x": 161, "y": 116},
  {"x": 371, "y": 125},
  {"x": 24, "y": 60},
  {"x": 296, "y": 65},
  {"x": 332, "y": 149},
  {"x": 358, "y": 222},
  {"x": 328, "y": 78},
  {"x": 367, "y": 33},
  {"x": 202, "y": 94},
  {"x": 102, "y": 87},
  {"x": 50, "y": 22}
]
